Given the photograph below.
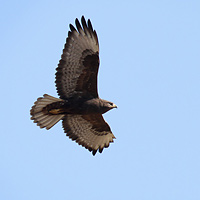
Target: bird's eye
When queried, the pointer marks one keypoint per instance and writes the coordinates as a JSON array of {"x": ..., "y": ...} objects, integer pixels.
[{"x": 111, "y": 104}]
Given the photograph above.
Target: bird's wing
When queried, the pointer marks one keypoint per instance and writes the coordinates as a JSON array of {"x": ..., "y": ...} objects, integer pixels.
[
  {"x": 90, "y": 131},
  {"x": 78, "y": 68}
]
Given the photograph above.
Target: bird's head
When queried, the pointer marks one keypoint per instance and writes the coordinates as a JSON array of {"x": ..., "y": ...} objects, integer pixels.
[{"x": 107, "y": 105}]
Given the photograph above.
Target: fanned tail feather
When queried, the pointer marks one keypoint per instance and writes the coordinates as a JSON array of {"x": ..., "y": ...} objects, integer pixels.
[{"x": 44, "y": 119}]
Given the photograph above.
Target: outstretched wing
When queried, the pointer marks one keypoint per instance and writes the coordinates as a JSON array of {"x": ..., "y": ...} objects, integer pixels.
[
  {"x": 90, "y": 131},
  {"x": 78, "y": 68}
]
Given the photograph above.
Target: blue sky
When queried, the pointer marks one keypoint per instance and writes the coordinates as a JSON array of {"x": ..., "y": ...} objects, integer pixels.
[{"x": 150, "y": 68}]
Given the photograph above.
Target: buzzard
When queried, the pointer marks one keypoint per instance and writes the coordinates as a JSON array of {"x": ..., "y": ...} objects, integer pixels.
[{"x": 79, "y": 106}]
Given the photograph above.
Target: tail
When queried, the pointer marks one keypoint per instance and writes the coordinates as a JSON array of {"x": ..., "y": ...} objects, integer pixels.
[{"x": 45, "y": 119}]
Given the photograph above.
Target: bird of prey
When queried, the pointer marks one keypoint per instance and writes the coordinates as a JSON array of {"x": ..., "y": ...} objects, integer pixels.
[{"x": 79, "y": 106}]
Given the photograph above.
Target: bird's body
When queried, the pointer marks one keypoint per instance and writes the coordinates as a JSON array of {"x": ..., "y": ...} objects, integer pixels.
[{"x": 79, "y": 105}]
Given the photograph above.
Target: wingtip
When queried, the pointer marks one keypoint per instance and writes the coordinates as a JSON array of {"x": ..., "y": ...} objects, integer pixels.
[
  {"x": 82, "y": 18},
  {"x": 72, "y": 27},
  {"x": 100, "y": 150},
  {"x": 77, "y": 21},
  {"x": 94, "y": 152},
  {"x": 90, "y": 25}
]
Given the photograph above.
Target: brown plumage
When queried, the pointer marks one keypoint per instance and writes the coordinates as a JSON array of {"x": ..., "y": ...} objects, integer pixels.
[{"x": 79, "y": 105}]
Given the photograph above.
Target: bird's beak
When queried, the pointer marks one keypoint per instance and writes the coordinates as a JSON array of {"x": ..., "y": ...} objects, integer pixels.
[{"x": 114, "y": 106}]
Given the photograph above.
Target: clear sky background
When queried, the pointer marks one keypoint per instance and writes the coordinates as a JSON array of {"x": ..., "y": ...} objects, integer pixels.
[{"x": 150, "y": 68}]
